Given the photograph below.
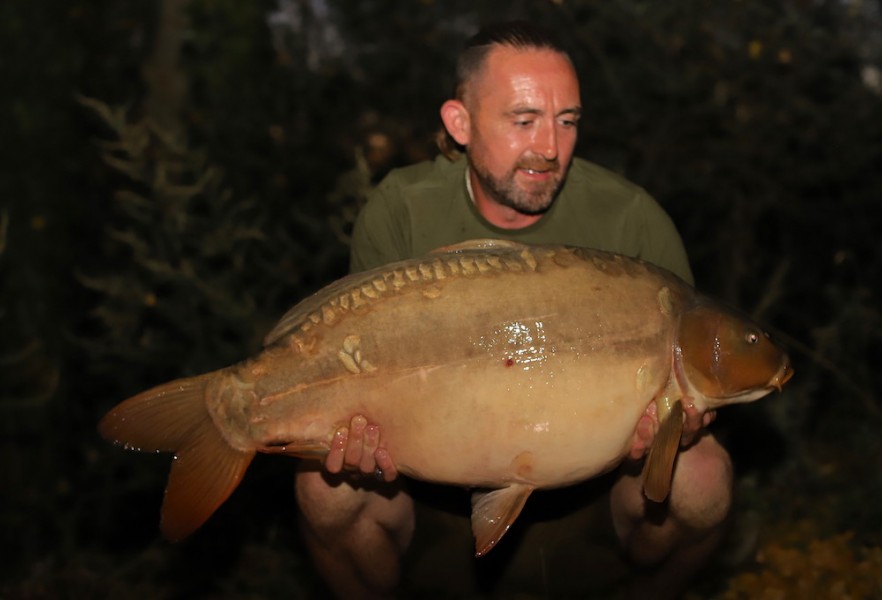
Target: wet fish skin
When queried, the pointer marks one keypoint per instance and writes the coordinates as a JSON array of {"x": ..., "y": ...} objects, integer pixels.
[{"x": 538, "y": 359}]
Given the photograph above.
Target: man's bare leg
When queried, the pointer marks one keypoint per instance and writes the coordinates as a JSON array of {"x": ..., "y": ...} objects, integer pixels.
[
  {"x": 669, "y": 542},
  {"x": 356, "y": 536},
  {"x": 355, "y": 526}
]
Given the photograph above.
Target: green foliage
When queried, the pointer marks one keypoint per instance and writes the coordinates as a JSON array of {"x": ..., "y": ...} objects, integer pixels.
[{"x": 182, "y": 258}]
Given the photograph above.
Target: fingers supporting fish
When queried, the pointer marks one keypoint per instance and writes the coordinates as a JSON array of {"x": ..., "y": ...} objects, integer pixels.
[
  {"x": 337, "y": 452},
  {"x": 643, "y": 434},
  {"x": 385, "y": 465},
  {"x": 695, "y": 421},
  {"x": 368, "y": 463},
  {"x": 709, "y": 417},
  {"x": 355, "y": 446}
]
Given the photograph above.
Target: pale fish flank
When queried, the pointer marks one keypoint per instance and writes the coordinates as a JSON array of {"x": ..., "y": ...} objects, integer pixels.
[{"x": 529, "y": 365}]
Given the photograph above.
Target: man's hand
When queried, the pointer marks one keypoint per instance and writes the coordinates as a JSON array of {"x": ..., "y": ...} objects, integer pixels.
[
  {"x": 644, "y": 433},
  {"x": 694, "y": 422},
  {"x": 357, "y": 448}
]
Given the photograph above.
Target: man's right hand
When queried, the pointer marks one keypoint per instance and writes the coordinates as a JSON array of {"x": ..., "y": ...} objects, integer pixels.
[{"x": 358, "y": 448}]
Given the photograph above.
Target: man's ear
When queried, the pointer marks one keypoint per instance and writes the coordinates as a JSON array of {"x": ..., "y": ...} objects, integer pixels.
[{"x": 457, "y": 121}]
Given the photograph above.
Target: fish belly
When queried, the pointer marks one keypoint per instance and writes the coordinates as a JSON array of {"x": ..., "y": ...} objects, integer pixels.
[
  {"x": 546, "y": 426},
  {"x": 538, "y": 377}
]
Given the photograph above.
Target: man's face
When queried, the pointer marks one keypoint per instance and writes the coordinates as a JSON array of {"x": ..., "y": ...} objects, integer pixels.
[{"x": 523, "y": 107}]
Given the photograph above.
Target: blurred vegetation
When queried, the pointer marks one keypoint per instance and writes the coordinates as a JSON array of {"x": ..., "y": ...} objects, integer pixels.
[{"x": 177, "y": 173}]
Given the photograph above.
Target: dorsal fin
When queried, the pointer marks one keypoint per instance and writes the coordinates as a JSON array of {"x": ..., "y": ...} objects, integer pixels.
[
  {"x": 313, "y": 304},
  {"x": 479, "y": 244}
]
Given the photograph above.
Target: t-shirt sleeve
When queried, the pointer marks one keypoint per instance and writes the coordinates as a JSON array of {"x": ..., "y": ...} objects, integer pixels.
[
  {"x": 659, "y": 241},
  {"x": 380, "y": 232}
]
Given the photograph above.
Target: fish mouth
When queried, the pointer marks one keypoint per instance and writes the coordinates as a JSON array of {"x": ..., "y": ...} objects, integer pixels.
[{"x": 782, "y": 376}]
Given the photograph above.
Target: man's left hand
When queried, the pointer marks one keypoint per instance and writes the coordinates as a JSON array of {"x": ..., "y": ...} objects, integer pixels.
[{"x": 694, "y": 422}]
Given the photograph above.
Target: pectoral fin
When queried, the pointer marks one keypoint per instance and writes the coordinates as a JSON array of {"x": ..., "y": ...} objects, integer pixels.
[
  {"x": 494, "y": 512},
  {"x": 659, "y": 466}
]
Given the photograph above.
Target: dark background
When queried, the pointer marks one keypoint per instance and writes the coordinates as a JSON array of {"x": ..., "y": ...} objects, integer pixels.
[{"x": 177, "y": 173}]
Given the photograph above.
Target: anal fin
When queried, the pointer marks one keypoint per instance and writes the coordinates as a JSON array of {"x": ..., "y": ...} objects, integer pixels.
[
  {"x": 659, "y": 467},
  {"x": 493, "y": 513}
]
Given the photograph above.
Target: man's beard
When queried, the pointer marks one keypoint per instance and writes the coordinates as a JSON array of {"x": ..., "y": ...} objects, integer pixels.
[{"x": 535, "y": 200}]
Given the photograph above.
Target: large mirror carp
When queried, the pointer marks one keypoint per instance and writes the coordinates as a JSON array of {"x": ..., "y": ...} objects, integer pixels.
[{"x": 530, "y": 367}]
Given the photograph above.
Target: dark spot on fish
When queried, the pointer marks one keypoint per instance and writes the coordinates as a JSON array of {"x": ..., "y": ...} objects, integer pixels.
[
  {"x": 523, "y": 465},
  {"x": 509, "y": 362}
]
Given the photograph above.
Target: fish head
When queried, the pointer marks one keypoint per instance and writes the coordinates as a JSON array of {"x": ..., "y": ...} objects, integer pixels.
[{"x": 727, "y": 358}]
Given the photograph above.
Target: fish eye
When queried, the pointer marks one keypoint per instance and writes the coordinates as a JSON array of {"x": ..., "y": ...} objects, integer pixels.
[{"x": 752, "y": 338}]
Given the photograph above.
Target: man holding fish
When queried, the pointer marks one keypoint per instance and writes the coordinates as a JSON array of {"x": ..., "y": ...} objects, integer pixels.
[
  {"x": 514, "y": 114},
  {"x": 495, "y": 363}
]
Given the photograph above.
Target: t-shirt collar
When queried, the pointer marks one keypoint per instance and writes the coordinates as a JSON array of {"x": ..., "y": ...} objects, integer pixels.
[{"x": 468, "y": 182}]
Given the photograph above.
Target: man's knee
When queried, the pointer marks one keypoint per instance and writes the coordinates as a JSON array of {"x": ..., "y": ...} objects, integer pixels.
[
  {"x": 324, "y": 505},
  {"x": 355, "y": 535},
  {"x": 699, "y": 503},
  {"x": 337, "y": 510},
  {"x": 701, "y": 493}
]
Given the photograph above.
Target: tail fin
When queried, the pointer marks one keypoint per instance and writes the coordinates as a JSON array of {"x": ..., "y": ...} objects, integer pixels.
[{"x": 173, "y": 418}]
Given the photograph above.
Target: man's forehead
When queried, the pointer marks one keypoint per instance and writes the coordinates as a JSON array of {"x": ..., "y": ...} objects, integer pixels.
[{"x": 505, "y": 68}]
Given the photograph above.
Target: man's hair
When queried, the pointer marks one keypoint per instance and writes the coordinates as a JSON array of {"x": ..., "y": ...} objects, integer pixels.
[{"x": 520, "y": 35}]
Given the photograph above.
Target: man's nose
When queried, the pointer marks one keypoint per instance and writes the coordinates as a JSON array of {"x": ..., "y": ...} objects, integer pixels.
[{"x": 545, "y": 142}]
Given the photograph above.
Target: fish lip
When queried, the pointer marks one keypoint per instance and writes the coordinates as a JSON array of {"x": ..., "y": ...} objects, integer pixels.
[{"x": 784, "y": 374}]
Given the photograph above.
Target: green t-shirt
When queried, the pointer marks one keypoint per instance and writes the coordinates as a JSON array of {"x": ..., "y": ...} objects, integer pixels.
[{"x": 425, "y": 206}]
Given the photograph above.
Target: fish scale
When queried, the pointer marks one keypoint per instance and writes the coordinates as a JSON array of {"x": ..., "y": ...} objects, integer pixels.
[
  {"x": 360, "y": 290},
  {"x": 528, "y": 365}
]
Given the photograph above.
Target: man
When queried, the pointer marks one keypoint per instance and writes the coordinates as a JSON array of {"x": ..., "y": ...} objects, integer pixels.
[{"x": 515, "y": 114}]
